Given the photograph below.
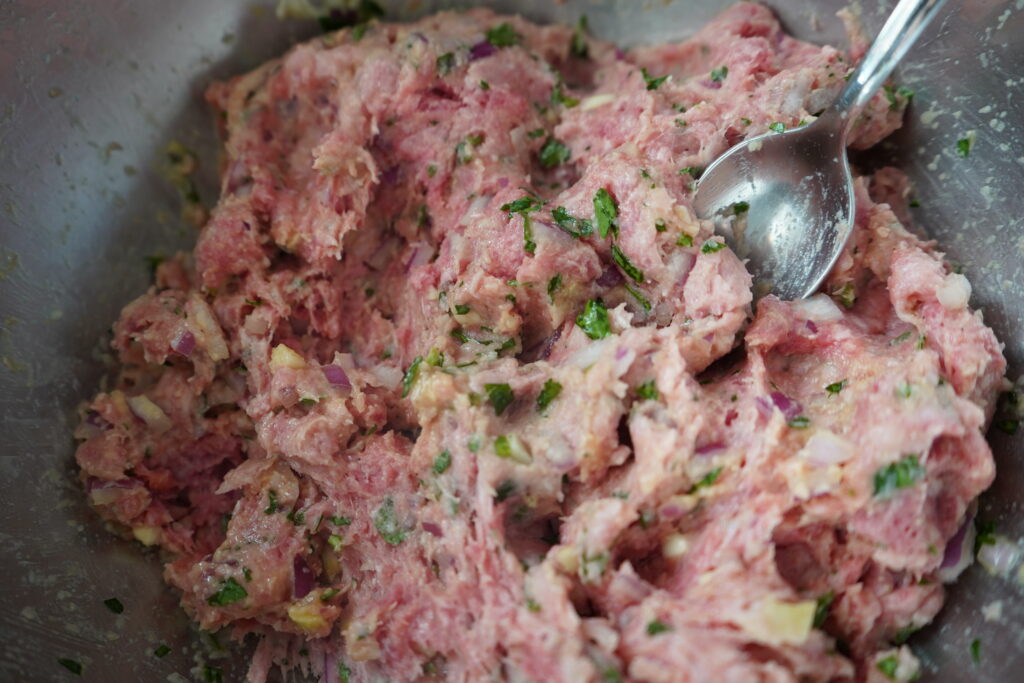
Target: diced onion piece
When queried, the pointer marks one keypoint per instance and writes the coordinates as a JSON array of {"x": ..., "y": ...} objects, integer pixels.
[
  {"x": 147, "y": 535},
  {"x": 781, "y": 623},
  {"x": 568, "y": 558},
  {"x": 283, "y": 357},
  {"x": 595, "y": 101},
  {"x": 337, "y": 376},
  {"x": 150, "y": 413},
  {"x": 307, "y": 616},
  {"x": 819, "y": 307},
  {"x": 209, "y": 329},
  {"x": 105, "y": 495},
  {"x": 1000, "y": 557},
  {"x": 958, "y": 556},
  {"x": 954, "y": 293},
  {"x": 675, "y": 545}
]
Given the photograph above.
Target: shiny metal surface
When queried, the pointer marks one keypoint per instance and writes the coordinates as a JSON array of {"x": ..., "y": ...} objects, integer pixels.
[
  {"x": 90, "y": 93},
  {"x": 798, "y": 181}
]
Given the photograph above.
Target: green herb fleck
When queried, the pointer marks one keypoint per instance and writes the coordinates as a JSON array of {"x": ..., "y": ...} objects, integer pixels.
[
  {"x": 548, "y": 393},
  {"x": 574, "y": 226},
  {"x": 484, "y": 85},
  {"x": 976, "y": 651},
  {"x": 623, "y": 262},
  {"x": 847, "y": 295},
  {"x": 461, "y": 309},
  {"x": 778, "y": 127},
  {"x": 114, "y": 605},
  {"x": 708, "y": 479},
  {"x": 410, "y": 375},
  {"x": 836, "y": 387},
  {"x": 500, "y": 396},
  {"x": 594, "y": 320},
  {"x": 800, "y": 422},
  {"x": 638, "y": 295},
  {"x": 504, "y": 490},
  {"x": 648, "y": 390},
  {"x": 711, "y": 246},
  {"x": 343, "y": 672},
  {"x": 718, "y": 75},
  {"x": 821, "y": 608},
  {"x": 652, "y": 83},
  {"x": 684, "y": 240},
  {"x": 386, "y": 523},
  {"x": 888, "y": 666},
  {"x": 435, "y": 358},
  {"x": 1008, "y": 426},
  {"x": 963, "y": 147},
  {"x": 161, "y": 651},
  {"x": 521, "y": 205},
  {"x": 740, "y": 208},
  {"x": 655, "y": 627},
  {"x": 71, "y": 665},
  {"x": 897, "y": 475},
  {"x": 212, "y": 674},
  {"x": 606, "y": 213},
  {"x": 503, "y": 35},
  {"x": 660, "y": 226},
  {"x": 229, "y": 593},
  {"x": 272, "y": 506},
  {"x": 529, "y": 246},
  {"x": 445, "y": 63},
  {"x": 536, "y": 133},
  {"x": 559, "y": 97},
  {"x": 532, "y": 605},
  {"x": 986, "y": 535},
  {"x": 336, "y": 542},
  {"x": 339, "y": 520},
  {"x": 578, "y": 47},
  {"x": 900, "y": 339},
  {"x": 328, "y": 594},
  {"x": 442, "y": 462},
  {"x": 553, "y": 153},
  {"x": 554, "y": 284}
]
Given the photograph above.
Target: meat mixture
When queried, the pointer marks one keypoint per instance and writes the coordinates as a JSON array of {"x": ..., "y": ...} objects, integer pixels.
[{"x": 455, "y": 386}]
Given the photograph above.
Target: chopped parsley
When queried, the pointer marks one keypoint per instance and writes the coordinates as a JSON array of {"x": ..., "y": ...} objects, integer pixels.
[
  {"x": 529, "y": 246},
  {"x": 339, "y": 520},
  {"x": 536, "y": 133},
  {"x": 594, "y": 320},
  {"x": 153, "y": 262},
  {"x": 800, "y": 422},
  {"x": 71, "y": 665},
  {"x": 740, "y": 208},
  {"x": 505, "y": 489},
  {"x": 161, "y": 651},
  {"x": 691, "y": 171},
  {"x": 711, "y": 246},
  {"x": 410, "y": 375},
  {"x": 986, "y": 534},
  {"x": 553, "y": 153},
  {"x": 577, "y": 227},
  {"x": 532, "y": 605},
  {"x": 888, "y": 666},
  {"x": 963, "y": 147},
  {"x": 975, "y": 649},
  {"x": 435, "y": 358},
  {"x": 684, "y": 240},
  {"x": 484, "y": 85},
  {"x": 655, "y": 627},
  {"x": 442, "y": 462},
  {"x": 606, "y": 213},
  {"x": 524, "y": 203},
  {"x": 847, "y": 295},
  {"x": 500, "y": 396},
  {"x": 778, "y": 127},
  {"x": 445, "y": 63},
  {"x": 638, "y": 295},
  {"x": 461, "y": 309},
  {"x": 503, "y": 35},
  {"x": 386, "y": 523},
  {"x": 464, "y": 150},
  {"x": 554, "y": 284},
  {"x": 707, "y": 480},
  {"x": 212, "y": 674},
  {"x": 897, "y": 475},
  {"x": 900, "y": 339},
  {"x": 660, "y": 226},
  {"x": 114, "y": 605},
  {"x": 647, "y": 390},
  {"x": 328, "y": 594},
  {"x": 559, "y": 97},
  {"x": 623, "y": 262},
  {"x": 230, "y": 592},
  {"x": 821, "y": 608},
  {"x": 364, "y": 12},
  {"x": 718, "y": 75},
  {"x": 336, "y": 542},
  {"x": 548, "y": 393},
  {"x": 652, "y": 83},
  {"x": 272, "y": 506},
  {"x": 836, "y": 387},
  {"x": 578, "y": 47},
  {"x": 343, "y": 672}
]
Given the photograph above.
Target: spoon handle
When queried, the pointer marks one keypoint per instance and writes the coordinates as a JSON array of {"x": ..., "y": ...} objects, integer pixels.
[{"x": 901, "y": 29}]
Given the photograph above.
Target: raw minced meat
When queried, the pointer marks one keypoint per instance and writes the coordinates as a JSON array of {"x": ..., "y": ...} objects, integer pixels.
[{"x": 454, "y": 385}]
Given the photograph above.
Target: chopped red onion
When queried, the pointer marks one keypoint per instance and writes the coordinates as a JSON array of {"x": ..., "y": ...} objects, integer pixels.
[
  {"x": 337, "y": 376},
  {"x": 811, "y": 327},
  {"x": 420, "y": 255},
  {"x": 671, "y": 512},
  {"x": 184, "y": 343},
  {"x": 432, "y": 528},
  {"x": 481, "y": 50},
  {"x": 302, "y": 578},
  {"x": 958, "y": 554},
  {"x": 389, "y": 176},
  {"x": 788, "y": 406},
  {"x": 503, "y": 183},
  {"x": 710, "y": 448},
  {"x": 713, "y": 85}
]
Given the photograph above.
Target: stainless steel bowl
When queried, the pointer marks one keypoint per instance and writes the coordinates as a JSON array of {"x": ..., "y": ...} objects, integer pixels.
[{"x": 90, "y": 93}]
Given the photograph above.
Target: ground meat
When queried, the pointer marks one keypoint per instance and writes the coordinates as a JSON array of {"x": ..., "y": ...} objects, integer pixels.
[{"x": 455, "y": 385}]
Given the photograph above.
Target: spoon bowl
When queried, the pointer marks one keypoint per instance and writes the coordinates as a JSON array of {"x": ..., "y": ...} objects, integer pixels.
[{"x": 784, "y": 200}]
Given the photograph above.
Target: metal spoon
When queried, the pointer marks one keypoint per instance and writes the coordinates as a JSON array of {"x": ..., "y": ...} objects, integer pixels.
[{"x": 785, "y": 200}]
